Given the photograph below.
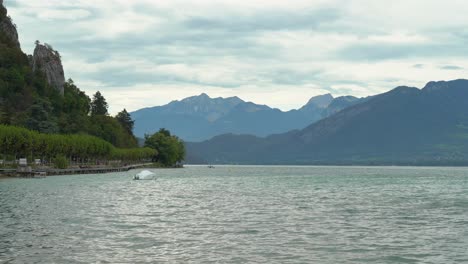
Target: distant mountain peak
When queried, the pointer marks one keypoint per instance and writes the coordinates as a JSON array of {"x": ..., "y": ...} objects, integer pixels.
[
  {"x": 235, "y": 98},
  {"x": 202, "y": 96},
  {"x": 320, "y": 101},
  {"x": 432, "y": 86}
]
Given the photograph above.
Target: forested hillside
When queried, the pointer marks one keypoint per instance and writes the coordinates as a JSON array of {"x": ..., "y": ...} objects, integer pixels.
[{"x": 33, "y": 95}]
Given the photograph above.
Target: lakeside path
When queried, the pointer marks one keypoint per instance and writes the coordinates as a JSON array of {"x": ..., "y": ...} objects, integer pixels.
[{"x": 71, "y": 171}]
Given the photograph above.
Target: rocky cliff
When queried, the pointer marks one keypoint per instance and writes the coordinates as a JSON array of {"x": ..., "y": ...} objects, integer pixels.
[
  {"x": 7, "y": 27},
  {"x": 47, "y": 60}
]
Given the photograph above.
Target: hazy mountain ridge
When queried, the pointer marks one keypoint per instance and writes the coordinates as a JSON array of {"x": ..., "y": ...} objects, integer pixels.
[
  {"x": 404, "y": 126},
  {"x": 200, "y": 117}
]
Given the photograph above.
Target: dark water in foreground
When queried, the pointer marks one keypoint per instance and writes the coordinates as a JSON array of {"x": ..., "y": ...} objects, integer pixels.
[{"x": 239, "y": 215}]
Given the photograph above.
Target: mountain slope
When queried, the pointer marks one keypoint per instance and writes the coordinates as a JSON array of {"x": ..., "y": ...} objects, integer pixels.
[
  {"x": 403, "y": 126},
  {"x": 201, "y": 117}
]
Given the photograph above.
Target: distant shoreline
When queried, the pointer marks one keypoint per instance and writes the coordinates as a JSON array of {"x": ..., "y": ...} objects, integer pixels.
[{"x": 332, "y": 165}]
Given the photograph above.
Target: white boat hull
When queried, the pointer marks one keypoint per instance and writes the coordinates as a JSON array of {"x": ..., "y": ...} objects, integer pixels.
[{"x": 145, "y": 175}]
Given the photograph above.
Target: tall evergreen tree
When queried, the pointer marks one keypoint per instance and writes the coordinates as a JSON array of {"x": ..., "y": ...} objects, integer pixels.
[
  {"x": 99, "y": 105},
  {"x": 41, "y": 118},
  {"x": 125, "y": 120}
]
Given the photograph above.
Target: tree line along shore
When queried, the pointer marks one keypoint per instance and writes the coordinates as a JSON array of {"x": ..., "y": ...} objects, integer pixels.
[
  {"x": 61, "y": 151},
  {"x": 17, "y": 142}
]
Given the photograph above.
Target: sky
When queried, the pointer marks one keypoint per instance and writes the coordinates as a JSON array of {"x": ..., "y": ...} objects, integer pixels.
[{"x": 143, "y": 53}]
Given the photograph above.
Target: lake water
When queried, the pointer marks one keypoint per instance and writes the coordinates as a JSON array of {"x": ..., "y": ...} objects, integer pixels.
[{"x": 239, "y": 215}]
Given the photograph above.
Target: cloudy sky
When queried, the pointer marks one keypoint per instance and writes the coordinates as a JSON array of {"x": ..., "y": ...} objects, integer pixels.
[{"x": 141, "y": 53}]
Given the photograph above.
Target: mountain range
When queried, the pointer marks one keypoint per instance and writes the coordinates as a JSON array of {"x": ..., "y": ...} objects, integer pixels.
[
  {"x": 405, "y": 126},
  {"x": 200, "y": 117}
]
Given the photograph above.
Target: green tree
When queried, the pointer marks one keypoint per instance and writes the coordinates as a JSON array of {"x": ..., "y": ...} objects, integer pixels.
[
  {"x": 109, "y": 129},
  {"x": 170, "y": 149},
  {"x": 61, "y": 162},
  {"x": 75, "y": 100},
  {"x": 21, "y": 142},
  {"x": 125, "y": 120},
  {"x": 99, "y": 105},
  {"x": 75, "y": 109},
  {"x": 40, "y": 117}
]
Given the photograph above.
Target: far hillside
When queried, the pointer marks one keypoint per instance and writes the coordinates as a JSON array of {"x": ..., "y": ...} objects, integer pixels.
[{"x": 406, "y": 126}]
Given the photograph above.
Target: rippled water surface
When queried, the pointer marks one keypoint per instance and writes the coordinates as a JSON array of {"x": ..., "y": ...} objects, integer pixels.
[{"x": 239, "y": 215}]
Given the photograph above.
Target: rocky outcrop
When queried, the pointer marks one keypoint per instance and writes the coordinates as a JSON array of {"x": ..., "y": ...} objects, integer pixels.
[
  {"x": 7, "y": 27},
  {"x": 45, "y": 58},
  {"x": 48, "y": 61}
]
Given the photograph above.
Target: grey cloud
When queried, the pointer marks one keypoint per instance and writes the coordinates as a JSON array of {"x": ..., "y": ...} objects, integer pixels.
[
  {"x": 205, "y": 40},
  {"x": 451, "y": 67},
  {"x": 11, "y": 3},
  {"x": 391, "y": 80},
  {"x": 309, "y": 19},
  {"x": 291, "y": 76},
  {"x": 168, "y": 47},
  {"x": 177, "y": 44},
  {"x": 122, "y": 76},
  {"x": 379, "y": 52},
  {"x": 373, "y": 52},
  {"x": 344, "y": 90}
]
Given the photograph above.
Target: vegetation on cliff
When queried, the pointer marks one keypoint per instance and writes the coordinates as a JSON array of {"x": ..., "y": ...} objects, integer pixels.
[
  {"x": 43, "y": 118},
  {"x": 28, "y": 99}
]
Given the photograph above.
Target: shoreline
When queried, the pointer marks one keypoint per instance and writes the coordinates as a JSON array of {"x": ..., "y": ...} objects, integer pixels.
[
  {"x": 336, "y": 165},
  {"x": 28, "y": 172}
]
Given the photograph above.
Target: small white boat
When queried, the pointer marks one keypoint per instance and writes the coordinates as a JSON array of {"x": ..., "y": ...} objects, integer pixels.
[{"x": 145, "y": 175}]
